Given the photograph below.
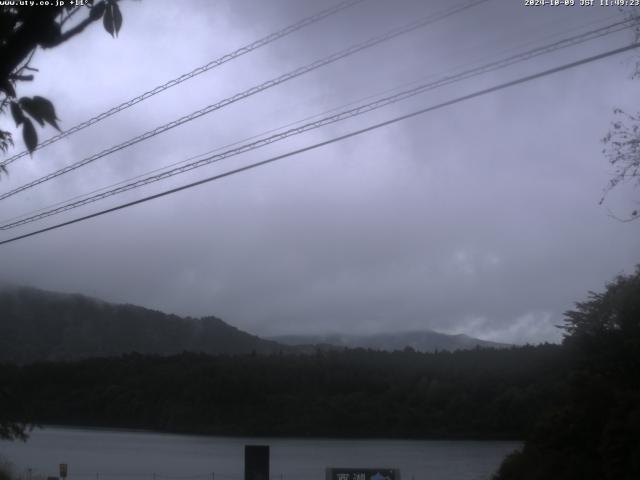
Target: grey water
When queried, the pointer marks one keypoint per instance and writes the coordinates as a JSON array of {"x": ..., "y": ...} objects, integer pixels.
[{"x": 93, "y": 454}]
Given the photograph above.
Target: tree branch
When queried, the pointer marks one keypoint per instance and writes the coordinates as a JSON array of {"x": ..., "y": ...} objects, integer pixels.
[
  {"x": 73, "y": 31},
  {"x": 22, "y": 78}
]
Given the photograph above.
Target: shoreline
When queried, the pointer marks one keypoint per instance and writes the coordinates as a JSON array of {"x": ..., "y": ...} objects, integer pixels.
[{"x": 133, "y": 430}]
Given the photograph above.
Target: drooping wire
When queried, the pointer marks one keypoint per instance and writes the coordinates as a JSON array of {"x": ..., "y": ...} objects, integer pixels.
[
  {"x": 396, "y": 32},
  {"x": 361, "y": 131},
  {"x": 193, "y": 73},
  {"x": 604, "y": 31},
  {"x": 141, "y": 180}
]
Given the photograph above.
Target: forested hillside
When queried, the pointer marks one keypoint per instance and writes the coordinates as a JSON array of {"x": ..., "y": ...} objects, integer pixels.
[
  {"x": 576, "y": 404},
  {"x": 36, "y": 326},
  {"x": 354, "y": 393},
  {"x": 421, "y": 340}
]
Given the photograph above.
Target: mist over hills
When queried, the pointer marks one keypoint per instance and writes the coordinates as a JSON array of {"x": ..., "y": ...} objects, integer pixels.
[
  {"x": 37, "y": 325},
  {"x": 420, "y": 341}
]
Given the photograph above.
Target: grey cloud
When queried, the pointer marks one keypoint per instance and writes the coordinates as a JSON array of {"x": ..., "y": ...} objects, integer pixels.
[{"x": 481, "y": 218}]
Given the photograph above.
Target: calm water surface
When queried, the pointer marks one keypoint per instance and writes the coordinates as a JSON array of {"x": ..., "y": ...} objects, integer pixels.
[{"x": 120, "y": 455}]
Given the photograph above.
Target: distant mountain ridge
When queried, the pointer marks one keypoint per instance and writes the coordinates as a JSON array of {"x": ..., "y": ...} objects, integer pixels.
[
  {"x": 421, "y": 341},
  {"x": 38, "y": 325}
]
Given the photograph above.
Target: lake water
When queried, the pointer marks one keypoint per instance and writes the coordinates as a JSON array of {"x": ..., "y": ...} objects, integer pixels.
[{"x": 121, "y": 455}]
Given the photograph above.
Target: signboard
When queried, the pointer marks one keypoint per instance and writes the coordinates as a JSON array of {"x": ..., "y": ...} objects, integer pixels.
[
  {"x": 63, "y": 470},
  {"x": 256, "y": 462},
  {"x": 362, "y": 474}
]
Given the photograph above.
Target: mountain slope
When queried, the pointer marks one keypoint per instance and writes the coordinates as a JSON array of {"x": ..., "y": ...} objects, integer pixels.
[
  {"x": 36, "y": 325},
  {"x": 421, "y": 341}
]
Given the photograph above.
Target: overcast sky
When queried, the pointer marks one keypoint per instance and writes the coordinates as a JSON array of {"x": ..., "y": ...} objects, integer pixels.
[{"x": 480, "y": 218}]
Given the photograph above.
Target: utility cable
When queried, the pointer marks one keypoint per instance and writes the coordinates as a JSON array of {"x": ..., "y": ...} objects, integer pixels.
[
  {"x": 247, "y": 93},
  {"x": 193, "y": 73},
  {"x": 140, "y": 180},
  {"x": 376, "y": 126}
]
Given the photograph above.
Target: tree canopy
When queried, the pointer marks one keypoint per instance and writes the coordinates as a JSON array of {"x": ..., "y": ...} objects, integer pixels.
[
  {"x": 622, "y": 142},
  {"x": 595, "y": 433},
  {"x": 622, "y": 149},
  {"x": 480, "y": 393},
  {"x": 25, "y": 28}
]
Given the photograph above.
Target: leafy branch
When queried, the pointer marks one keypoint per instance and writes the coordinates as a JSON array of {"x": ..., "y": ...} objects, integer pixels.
[{"x": 22, "y": 30}]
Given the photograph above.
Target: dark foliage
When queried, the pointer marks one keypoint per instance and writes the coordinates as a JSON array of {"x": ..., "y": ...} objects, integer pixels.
[
  {"x": 37, "y": 326},
  {"x": 595, "y": 433},
  {"x": 482, "y": 393},
  {"x": 23, "y": 29}
]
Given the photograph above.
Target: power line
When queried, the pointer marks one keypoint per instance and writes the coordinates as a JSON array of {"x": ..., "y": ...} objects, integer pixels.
[
  {"x": 379, "y": 103},
  {"x": 193, "y": 73},
  {"x": 376, "y": 126},
  {"x": 252, "y": 91},
  {"x": 359, "y": 110}
]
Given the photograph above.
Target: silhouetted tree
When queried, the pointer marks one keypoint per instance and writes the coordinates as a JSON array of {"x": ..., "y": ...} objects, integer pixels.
[
  {"x": 622, "y": 148},
  {"x": 22, "y": 30},
  {"x": 622, "y": 142},
  {"x": 595, "y": 434}
]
